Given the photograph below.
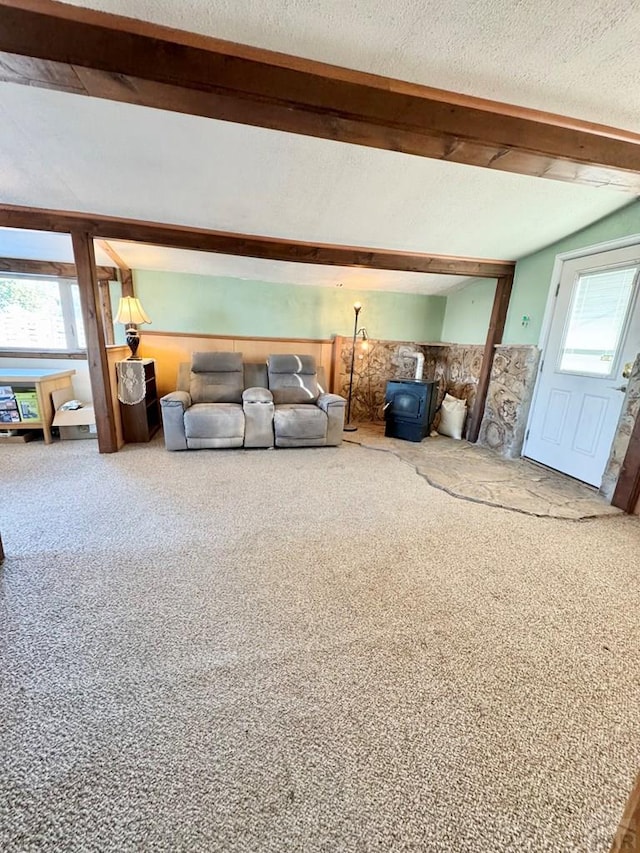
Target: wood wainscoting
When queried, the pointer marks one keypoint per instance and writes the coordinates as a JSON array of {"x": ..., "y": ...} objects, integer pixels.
[
  {"x": 114, "y": 355},
  {"x": 169, "y": 349}
]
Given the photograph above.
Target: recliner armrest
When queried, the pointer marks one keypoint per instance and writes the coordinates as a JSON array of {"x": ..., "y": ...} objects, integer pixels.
[
  {"x": 257, "y": 405},
  {"x": 173, "y": 406},
  {"x": 257, "y": 395},
  {"x": 326, "y": 400},
  {"x": 176, "y": 398}
]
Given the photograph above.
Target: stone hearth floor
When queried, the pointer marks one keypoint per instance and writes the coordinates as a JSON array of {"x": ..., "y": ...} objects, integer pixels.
[{"x": 478, "y": 474}]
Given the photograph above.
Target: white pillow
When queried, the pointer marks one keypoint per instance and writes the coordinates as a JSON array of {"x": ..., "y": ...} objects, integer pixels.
[{"x": 453, "y": 414}]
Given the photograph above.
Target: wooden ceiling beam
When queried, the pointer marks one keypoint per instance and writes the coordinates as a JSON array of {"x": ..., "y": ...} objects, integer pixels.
[
  {"x": 126, "y": 276},
  {"x": 108, "y": 249},
  {"x": 268, "y": 248},
  {"x": 50, "y": 268},
  {"x": 56, "y": 46}
]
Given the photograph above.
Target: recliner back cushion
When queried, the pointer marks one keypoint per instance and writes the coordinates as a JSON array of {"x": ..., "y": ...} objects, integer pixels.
[
  {"x": 216, "y": 377},
  {"x": 293, "y": 378}
]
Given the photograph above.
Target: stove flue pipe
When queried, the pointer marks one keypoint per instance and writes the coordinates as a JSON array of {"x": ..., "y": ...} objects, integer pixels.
[{"x": 406, "y": 352}]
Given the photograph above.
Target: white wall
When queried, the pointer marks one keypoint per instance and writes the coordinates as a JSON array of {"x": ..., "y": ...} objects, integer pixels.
[{"x": 80, "y": 381}]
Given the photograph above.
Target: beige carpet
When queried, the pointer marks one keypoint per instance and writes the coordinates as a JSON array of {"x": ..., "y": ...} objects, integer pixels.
[
  {"x": 478, "y": 474},
  {"x": 305, "y": 650}
]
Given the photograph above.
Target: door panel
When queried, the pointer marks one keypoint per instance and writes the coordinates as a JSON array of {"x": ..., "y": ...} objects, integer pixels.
[
  {"x": 590, "y": 422},
  {"x": 556, "y": 415},
  {"x": 594, "y": 331}
]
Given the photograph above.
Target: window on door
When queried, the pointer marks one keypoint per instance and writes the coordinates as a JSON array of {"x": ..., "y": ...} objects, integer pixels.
[
  {"x": 600, "y": 305},
  {"x": 40, "y": 314}
]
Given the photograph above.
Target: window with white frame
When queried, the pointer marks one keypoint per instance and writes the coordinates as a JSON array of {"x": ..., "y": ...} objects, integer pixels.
[{"x": 40, "y": 314}]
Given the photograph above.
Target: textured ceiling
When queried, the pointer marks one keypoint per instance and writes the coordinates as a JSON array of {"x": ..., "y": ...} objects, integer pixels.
[
  {"x": 64, "y": 151},
  {"x": 577, "y": 58}
]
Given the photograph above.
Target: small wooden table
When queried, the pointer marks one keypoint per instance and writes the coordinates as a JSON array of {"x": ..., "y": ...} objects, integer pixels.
[
  {"x": 44, "y": 382},
  {"x": 141, "y": 421}
]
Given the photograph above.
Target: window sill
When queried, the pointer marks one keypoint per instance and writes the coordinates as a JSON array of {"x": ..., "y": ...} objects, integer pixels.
[{"x": 30, "y": 353}]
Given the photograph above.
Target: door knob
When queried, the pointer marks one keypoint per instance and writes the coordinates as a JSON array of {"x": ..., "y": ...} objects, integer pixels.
[{"x": 618, "y": 387}]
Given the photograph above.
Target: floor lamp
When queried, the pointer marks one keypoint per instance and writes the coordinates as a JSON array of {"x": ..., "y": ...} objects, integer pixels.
[{"x": 349, "y": 427}]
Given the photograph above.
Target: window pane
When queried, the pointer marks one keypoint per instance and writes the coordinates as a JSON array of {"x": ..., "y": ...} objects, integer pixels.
[
  {"x": 78, "y": 323},
  {"x": 33, "y": 314},
  {"x": 593, "y": 333}
]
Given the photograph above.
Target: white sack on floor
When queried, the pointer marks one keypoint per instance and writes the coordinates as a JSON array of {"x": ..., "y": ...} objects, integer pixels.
[{"x": 453, "y": 413}]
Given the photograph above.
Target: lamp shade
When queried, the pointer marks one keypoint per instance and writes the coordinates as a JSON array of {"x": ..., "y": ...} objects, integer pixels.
[{"x": 131, "y": 311}]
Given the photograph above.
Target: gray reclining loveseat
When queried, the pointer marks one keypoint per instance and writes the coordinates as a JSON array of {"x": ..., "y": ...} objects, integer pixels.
[{"x": 221, "y": 402}]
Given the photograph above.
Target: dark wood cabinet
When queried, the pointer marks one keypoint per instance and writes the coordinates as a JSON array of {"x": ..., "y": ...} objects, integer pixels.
[{"x": 141, "y": 421}]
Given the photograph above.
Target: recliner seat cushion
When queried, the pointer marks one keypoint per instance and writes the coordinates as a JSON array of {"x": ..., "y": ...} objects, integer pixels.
[
  {"x": 293, "y": 379},
  {"x": 216, "y": 377},
  {"x": 303, "y": 421},
  {"x": 214, "y": 420}
]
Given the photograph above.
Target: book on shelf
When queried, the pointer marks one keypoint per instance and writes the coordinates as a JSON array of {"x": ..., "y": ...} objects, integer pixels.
[{"x": 28, "y": 405}]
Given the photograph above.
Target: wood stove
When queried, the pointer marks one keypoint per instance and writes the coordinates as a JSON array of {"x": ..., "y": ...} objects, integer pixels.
[{"x": 409, "y": 409}]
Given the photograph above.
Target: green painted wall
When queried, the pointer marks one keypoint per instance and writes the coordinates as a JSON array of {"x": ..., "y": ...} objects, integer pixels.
[
  {"x": 181, "y": 302},
  {"x": 468, "y": 311},
  {"x": 533, "y": 273}
]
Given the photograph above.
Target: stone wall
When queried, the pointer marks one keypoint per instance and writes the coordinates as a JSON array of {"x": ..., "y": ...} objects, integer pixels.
[
  {"x": 457, "y": 369},
  {"x": 372, "y": 368},
  {"x": 509, "y": 396},
  {"x": 630, "y": 411}
]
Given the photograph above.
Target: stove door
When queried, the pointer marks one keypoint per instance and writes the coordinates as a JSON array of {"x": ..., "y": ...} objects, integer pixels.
[{"x": 407, "y": 403}]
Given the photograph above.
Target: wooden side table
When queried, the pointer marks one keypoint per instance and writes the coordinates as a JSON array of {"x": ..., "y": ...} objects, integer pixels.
[
  {"x": 44, "y": 382},
  {"x": 141, "y": 421}
]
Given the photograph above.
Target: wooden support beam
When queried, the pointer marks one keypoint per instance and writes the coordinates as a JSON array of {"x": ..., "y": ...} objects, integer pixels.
[
  {"x": 94, "y": 333},
  {"x": 126, "y": 283},
  {"x": 106, "y": 313},
  {"x": 494, "y": 337},
  {"x": 108, "y": 249},
  {"x": 270, "y": 248},
  {"x": 50, "y": 268},
  {"x": 627, "y": 490},
  {"x": 125, "y": 275},
  {"x": 56, "y": 46}
]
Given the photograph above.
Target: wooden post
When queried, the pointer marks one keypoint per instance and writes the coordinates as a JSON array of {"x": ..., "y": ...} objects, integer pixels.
[
  {"x": 126, "y": 282},
  {"x": 628, "y": 486},
  {"x": 107, "y": 316},
  {"x": 94, "y": 333},
  {"x": 494, "y": 337}
]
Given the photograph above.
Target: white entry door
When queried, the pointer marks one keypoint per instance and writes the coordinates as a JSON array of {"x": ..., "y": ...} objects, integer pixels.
[{"x": 594, "y": 332}]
